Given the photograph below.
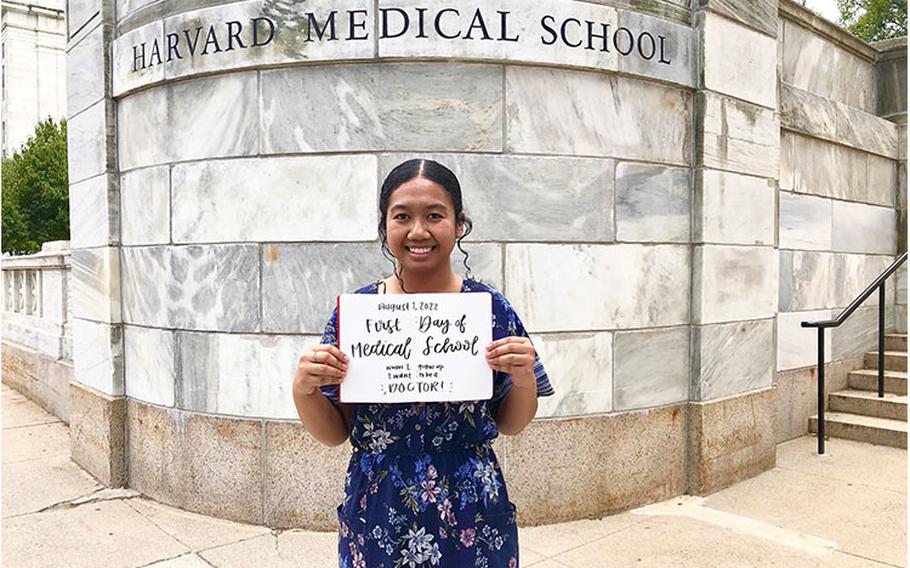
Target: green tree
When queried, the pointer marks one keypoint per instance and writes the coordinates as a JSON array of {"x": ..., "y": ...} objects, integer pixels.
[
  {"x": 35, "y": 200},
  {"x": 874, "y": 20}
]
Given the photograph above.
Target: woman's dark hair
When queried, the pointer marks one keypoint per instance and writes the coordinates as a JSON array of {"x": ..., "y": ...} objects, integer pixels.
[{"x": 435, "y": 172}]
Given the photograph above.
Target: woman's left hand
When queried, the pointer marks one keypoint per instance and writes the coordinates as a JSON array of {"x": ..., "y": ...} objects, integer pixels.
[{"x": 515, "y": 356}]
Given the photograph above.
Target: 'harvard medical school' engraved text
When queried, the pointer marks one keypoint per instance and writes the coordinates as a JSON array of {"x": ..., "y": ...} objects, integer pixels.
[{"x": 448, "y": 24}]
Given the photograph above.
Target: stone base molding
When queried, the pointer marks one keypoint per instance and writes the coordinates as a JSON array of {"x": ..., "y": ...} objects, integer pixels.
[
  {"x": 797, "y": 398},
  {"x": 97, "y": 432},
  {"x": 271, "y": 472},
  {"x": 41, "y": 378},
  {"x": 729, "y": 440}
]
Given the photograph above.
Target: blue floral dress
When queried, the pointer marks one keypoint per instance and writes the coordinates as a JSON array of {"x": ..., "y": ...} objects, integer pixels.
[{"x": 423, "y": 486}]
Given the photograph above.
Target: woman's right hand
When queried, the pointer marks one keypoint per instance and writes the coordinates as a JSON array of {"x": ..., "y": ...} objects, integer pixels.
[{"x": 320, "y": 365}]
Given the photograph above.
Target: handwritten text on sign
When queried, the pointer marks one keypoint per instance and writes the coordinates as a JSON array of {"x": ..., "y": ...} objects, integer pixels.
[{"x": 415, "y": 347}]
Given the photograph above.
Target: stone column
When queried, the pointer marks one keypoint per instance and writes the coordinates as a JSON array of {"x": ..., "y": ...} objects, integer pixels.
[
  {"x": 734, "y": 257},
  {"x": 892, "y": 96},
  {"x": 97, "y": 415}
]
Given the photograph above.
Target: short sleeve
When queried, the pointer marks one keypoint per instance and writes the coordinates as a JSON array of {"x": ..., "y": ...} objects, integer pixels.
[
  {"x": 330, "y": 336},
  {"x": 506, "y": 323}
]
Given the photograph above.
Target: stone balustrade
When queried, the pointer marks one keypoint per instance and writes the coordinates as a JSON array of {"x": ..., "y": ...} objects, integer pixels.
[{"x": 36, "y": 300}]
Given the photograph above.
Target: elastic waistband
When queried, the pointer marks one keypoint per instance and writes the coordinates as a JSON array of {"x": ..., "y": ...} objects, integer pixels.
[{"x": 481, "y": 446}]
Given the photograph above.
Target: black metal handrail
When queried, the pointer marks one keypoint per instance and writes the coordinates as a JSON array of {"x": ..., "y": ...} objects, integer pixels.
[{"x": 845, "y": 313}]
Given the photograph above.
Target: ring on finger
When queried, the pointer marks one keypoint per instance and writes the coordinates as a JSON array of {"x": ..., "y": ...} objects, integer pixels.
[{"x": 313, "y": 358}]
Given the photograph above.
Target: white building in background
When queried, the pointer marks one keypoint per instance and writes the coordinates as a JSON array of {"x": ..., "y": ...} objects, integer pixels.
[{"x": 34, "y": 67}]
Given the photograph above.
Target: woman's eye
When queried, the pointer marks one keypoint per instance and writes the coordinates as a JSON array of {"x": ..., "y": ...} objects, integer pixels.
[
  {"x": 399, "y": 216},
  {"x": 435, "y": 216}
]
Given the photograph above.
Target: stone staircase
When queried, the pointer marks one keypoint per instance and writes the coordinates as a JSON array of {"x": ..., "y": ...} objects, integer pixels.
[{"x": 858, "y": 414}]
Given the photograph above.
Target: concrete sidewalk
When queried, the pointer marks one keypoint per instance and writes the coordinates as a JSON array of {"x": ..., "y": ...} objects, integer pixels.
[{"x": 845, "y": 509}]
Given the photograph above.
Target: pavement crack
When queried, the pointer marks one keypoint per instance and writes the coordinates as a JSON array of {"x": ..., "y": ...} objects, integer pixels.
[
  {"x": 94, "y": 497},
  {"x": 159, "y": 527},
  {"x": 33, "y": 425}
]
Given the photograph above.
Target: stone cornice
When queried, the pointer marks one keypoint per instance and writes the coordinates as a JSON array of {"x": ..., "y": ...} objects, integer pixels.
[{"x": 808, "y": 19}]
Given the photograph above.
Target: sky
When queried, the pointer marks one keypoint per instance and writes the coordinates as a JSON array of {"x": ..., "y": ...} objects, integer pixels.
[{"x": 827, "y": 8}]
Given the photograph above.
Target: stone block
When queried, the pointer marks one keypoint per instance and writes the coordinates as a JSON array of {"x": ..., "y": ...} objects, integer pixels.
[
  {"x": 758, "y": 14},
  {"x": 88, "y": 132},
  {"x": 650, "y": 367},
  {"x": 729, "y": 440},
  {"x": 817, "y": 167},
  {"x": 559, "y": 470},
  {"x": 529, "y": 198},
  {"x": 796, "y": 394},
  {"x": 215, "y": 201},
  {"x": 127, "y": 73},
  {"x": 867, "y": 131},
  {"x": 736, "y": 136},
  {"x": 733, "y": 283},
  {"x": 303, "y": 479},
  {"x": 293, "y": 41},
  {"x": 241, "y": 375},
  {"x": 42, "y": 379},
  {"x": 79, "y": 13},
  {"x": 374, "y": 108},
  {"x": 212, "y": 287},
  {"x": 892, "y": 81},
  {"x": 205, "y": 464},
  {"x": 733, "y": 208},
  {"x": 96, "y": 284},
  {"x": 611, "y": 116},
  {"x": 85, "y": 72},
  {"x": 852, "y": 273},
  {"x": 300, "y": 281},
  {"x": 805, "y": 222},
  {"x": 98, "y": 356},
  {"x": 523, "y": 23},
  {"x": 797, "y": 346},
  {"x": 882, "y": 182},
  {"x": 94, "y": 212},
  {"x": 738, "y": 61},
  {"x": 580, "y": 369},
  {"x": 858, "y": 334},
  {"x": 149, "y": 364},
  {"x": 680, "y": 46},
  {"x": 731, "y": 358},
  {"x": 653, "y": 288},
  {"x": 898, "y": 283},
  {"x": 837, "y": 122},
  {"x": 805, "y": 280},
  {"x": 864, "y": 228},
  {"x": 652, "y": 203},
  {"x": 484, "y": 260},
  {"x": 807, "y": 113},
  {"x": 817, "y": 65},
  {"x": 145, "y": 206},
  {"x": 96, "y": 429},
  {"x": 211, "y": 117}
]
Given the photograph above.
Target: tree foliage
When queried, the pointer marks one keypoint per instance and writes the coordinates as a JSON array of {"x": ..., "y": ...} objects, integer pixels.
[
  {"x": 35, "y": 200},
  {"x": 874, "y": 20}
]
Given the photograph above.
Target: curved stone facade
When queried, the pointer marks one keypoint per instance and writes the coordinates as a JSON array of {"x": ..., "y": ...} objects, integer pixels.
[{"x": 634, "y": 158}]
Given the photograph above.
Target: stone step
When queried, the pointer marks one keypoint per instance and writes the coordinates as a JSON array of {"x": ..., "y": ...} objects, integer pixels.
[
  {"x": 867, "y": 380},
  {"x": 894, "y": 360},
  {"x": 867, "y": 403},
  {"x": 896, "y": 342},
  {"x": 878, "y": 431}
]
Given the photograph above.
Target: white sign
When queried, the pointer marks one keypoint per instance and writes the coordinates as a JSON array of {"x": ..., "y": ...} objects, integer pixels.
[{"x": 415, "y": 347}]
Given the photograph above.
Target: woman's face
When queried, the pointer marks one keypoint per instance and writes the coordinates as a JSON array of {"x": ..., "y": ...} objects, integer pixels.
[{"x": 421, "y": 226}]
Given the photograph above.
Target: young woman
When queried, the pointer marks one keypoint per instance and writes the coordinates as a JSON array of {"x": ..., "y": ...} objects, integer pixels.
[{"x": 423, "y": 486}]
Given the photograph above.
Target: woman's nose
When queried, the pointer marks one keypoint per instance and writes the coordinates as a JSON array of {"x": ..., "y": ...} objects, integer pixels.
[{"x": 418, "y": 229}]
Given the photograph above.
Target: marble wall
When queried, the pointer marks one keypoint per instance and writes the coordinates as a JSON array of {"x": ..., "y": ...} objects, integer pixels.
[
  {"x": 245, "y": 194},
  {"x": 236, "y": 241},
  {"x": 839, "y": 188}
]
